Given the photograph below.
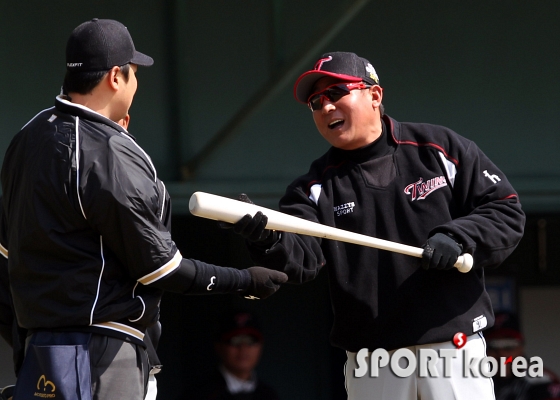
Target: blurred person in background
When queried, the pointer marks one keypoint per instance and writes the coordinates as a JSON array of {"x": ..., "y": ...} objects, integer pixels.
[
  {"x": 238, "y": 347},
  {"x": 506, "y": 340}
]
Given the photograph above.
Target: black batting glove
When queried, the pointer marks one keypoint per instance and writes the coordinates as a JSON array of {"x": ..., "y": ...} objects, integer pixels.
[
  {"x": 242, "y": 197},
  {"x": 440, "y": 252},
  {"x": 264, "y": 283},
  {"x": 252, "y": 228}
]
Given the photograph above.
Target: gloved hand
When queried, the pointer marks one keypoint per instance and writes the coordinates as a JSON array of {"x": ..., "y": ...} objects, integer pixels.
[
  {"x": 440, "y": 252},
  {"x": 252, "y": 228},
  {"x": 264, "y": 282}
]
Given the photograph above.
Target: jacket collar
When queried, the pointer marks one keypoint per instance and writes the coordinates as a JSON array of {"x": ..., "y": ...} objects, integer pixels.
[
  {"x": 393, "y": 128},
  {"x": 382, "y": 146},
  {"x": 63, "y": 104}
]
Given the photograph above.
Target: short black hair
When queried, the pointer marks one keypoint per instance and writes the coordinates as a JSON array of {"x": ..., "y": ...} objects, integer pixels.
[{"x": 84, "y": 82}]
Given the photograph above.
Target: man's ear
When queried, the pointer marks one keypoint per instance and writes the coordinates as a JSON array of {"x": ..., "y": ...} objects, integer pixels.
[
  {"x": 376, "y": 93},
  {"x": 114, "y": 79}
]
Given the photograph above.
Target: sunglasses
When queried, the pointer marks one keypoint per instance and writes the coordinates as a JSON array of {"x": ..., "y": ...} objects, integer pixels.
[{"x": 333, "y": 93}]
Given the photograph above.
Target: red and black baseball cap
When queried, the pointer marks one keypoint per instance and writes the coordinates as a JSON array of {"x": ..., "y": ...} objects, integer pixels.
[
  {"x": 240, "y": 323},
  {"x": 343, "y": 65},
  {"x": 101, "y": 44},
  {"x": 505, "y": 333}
]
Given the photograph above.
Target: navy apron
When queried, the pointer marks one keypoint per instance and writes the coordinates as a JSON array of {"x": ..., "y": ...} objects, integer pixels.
[{"x": 56, "y": 366}]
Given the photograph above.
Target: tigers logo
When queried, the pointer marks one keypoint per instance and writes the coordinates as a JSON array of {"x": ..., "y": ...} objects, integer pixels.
[
  {"x": 48, "y": 388},
  {"x": 420, "y": 190},
  {"x": 319, "y": 63}
]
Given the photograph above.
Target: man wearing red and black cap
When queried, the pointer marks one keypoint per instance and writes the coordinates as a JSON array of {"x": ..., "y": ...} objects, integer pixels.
[
  {"x": 505, "y": 340},
  {"x": 418, "y": 184},
  {"x": 87, "y": 233},
  {"x": 238, "y": 347}
]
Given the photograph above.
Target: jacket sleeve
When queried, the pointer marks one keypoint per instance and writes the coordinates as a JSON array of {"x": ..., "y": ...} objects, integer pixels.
[
  {"x": 121, "y": 197},
  {"x": 124, "y": 201},
  {"x": 299, "y": 256},
  {"x": 490, "y": 221}
]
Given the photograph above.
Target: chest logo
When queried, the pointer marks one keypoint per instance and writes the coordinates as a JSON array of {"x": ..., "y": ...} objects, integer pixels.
[
  {"x": 420, "y": 190},
  {"x": 345, "y": 208}
]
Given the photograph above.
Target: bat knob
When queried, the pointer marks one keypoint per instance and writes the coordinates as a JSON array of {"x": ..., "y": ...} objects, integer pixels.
[{"x": 464, "y": 263}]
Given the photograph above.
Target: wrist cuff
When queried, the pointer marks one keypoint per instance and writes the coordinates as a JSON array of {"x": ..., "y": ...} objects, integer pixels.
[{"x": 213, "y": 279}]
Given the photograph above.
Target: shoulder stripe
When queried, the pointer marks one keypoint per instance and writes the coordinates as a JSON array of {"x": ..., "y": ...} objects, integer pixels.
[
  {"x": 417, "y": 144},
  {"x": 429, "y": 144},
  {"x": 39, "y": 113},
  {"x": 3, "y": 251},
  {"x": 166, "y": 269},
  {"x": 143, "y": 152}
]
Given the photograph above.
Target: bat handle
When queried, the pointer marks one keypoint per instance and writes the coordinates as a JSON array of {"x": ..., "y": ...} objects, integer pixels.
[{"x": 464, "y": 263}]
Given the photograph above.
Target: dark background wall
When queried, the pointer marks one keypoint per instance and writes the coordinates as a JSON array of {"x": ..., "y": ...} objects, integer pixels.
[
  {"x": 297, "y": 358},
  {"x": 216, "y": 113}
]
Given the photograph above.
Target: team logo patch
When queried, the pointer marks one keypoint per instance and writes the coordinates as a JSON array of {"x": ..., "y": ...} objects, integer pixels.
[
  {"x": 493, "y": 177},
  {"x": 345, "y": 208},
  {"x": 420, "y": 190}
]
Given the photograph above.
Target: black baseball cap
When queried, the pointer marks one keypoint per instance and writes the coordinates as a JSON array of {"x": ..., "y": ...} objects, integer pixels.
[
  {"x": 101, "y": 44},
  {"x": 343, "y": 65},
  {"x": 240, "y": 323}
]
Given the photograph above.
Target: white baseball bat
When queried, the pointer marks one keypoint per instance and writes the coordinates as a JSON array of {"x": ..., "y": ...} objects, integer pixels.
[{"x": 220, "y": 208}]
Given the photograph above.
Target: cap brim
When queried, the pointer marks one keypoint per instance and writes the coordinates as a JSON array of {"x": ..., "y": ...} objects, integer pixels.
[
  {"x": 142, "y": 59},
  {"x": 304, "y": 84}
]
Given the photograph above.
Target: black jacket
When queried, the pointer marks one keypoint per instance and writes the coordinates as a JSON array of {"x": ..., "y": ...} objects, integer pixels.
[
  {"x": 418, "y": 179},
  {"x": 69, "y": 178}
]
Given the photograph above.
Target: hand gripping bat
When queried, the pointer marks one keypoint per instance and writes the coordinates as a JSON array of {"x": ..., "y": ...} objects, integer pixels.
[{"x": 220, "y": 208}]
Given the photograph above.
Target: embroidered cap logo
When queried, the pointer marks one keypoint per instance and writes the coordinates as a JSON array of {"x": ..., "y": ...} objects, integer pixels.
[{"x": 320, "y": 63}]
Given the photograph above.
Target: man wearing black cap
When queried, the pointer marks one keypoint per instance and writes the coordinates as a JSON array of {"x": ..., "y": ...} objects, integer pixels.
[
  {"x": 411, "y": 183},
  {"x": 238, "y": 347},
  {"x": 88, "y": 233}
]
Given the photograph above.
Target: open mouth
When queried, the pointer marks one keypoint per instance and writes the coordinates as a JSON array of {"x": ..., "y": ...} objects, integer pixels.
[{"x": 336, "y": 124}]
